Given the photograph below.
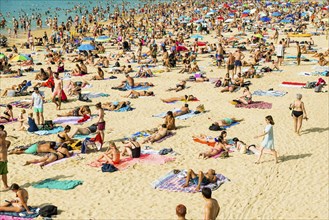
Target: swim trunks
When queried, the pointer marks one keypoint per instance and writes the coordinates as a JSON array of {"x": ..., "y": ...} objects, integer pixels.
[
  {"x": 237, "y": 63},
  {"x": 101, "y": 126},
  {"x": 32, "y": 149},
  {"x": 204, "y": 181},
  {"x": 3, "y": 167}
]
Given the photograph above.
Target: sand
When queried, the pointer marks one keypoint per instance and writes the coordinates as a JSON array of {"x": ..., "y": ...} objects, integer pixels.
[{"x": 296, "y": 188}]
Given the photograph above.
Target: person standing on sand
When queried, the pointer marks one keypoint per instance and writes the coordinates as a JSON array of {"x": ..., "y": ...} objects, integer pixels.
[
  {"x": 4, "y": 145},
  {"x": 57, "y": 91},
  {"x": 211, "y": 208},
  {"x": 37, "y": 103},
  {"x": 100, "y": 122},
  {"x": 267, "y": 145},
  {"x": 279, "y": 53},
  {"x": 237, "y": 63},
  {"x": 298, "y": 111},
  {"x": 299, "y": 53},
  {"x": 181, "y": 212}
]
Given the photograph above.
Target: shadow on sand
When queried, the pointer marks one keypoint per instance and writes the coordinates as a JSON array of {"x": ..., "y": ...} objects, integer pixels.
[
  {"x": 293, "y": 157},
  {"x": 312, "y": 130}
]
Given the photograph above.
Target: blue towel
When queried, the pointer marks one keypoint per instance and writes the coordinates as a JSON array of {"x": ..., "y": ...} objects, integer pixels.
[
  {"x": 181, "y": 117},
  {"x": 57, "y": 184},
  {"x": 125, "y": 109},
  {"x": 228, "y": 126},
  {"x": 82, "y": 136},
  {"x": 55, "y": 130},
  {"x": 140, "y": 134},
  {"x": 269, "y": 93},
  {"x": 23, "y": 214}
]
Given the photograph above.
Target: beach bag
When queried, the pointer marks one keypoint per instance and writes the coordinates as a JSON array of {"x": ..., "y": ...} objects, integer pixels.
[
  {"x": 48, "y": 211},
  {"x": 218, "y": 83},
  {"x": 109, "y": 168},
  {"x": 215, "y": 127},
  {"x": 318, "y": 88},
  {"x": 48, "y": 125}
]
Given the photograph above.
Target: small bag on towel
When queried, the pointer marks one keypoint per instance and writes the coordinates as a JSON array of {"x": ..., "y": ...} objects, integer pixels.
[{"x": 48, "y": 211}]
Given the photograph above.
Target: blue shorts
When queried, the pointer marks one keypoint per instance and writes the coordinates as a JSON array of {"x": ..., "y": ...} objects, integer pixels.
[
  {"x": 237, "y": 63},
  {"x": 204, "y": 181}
]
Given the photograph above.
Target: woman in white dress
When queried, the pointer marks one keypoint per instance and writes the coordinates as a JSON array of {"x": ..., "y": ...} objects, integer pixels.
[{"x": 267, "y": 145}]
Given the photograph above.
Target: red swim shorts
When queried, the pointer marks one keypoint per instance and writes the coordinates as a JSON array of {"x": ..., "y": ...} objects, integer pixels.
[{"x": 101, "y": 126}]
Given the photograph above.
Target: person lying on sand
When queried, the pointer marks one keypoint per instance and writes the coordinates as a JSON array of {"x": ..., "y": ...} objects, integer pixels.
[
  {"x": 111, "y": 155},
  {"x": 161, "y": 133},
  {"x": 77, "y": 111},
  {"x": 200, "y": 178},
  {"x": 227, "y": 121},
  {"x": 61, "y": 152},
  {"x": 14, "y": 87},
  {"x": 185, "y": 98},
  {"x": 179, "y": 87},
  {"x": 131, "y": 148},
  {"x": 129, "y": 81},
  {"x": 113, "y": 106},
  {"x": 39, "y": 147},
  {"x": 183, "y": 110},
  {"x": 219, "y": 147},
  {"x": 135, "y": 94},
  {"x": 85, "y": 131}
]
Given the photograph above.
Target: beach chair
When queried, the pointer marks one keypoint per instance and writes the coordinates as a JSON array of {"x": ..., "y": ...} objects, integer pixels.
[
  {"x": 23, "y": 90},
  {"x": 94, "y": 143}
]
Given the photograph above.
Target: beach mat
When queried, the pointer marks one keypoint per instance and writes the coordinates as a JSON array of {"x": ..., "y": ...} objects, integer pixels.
[
  {"x": 19, "y": 215},
  {"x": 293, "y": 84},
  {"x": 19, "y": 104},
  {"x": 191, "y": 114},
  {"x": 166, "y": 137},
  {"x": 57, "y": 184},
  {"x": 55, "y": 130},
  {"x": 58, "y": 161},
  {"x": 174, "y": 182},
  {"x": 209, "y": 143},
  {"x": 258, "y": 105},
  {"x": 273, "y": 93},
  {"x": 68, "y": 120},
  {"x": 144, "y": 158}
]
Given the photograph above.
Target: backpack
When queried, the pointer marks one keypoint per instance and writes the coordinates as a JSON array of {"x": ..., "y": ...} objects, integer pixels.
[
  {"x": 218, "y": 83},
  {"x": 109, "y": 168},
  {"x": 215, "y": 127},
  {"x": 48, "y": 125},
  {"x": 318, "y": 88},
  {"x": 48, "y": 211}
]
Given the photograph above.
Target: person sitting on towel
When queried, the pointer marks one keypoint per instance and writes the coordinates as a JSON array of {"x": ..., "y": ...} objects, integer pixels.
[
  {"x": 218, "y": 148},
  {"x": 161, "y": 133},
  {"x": 200, "y": 178}
]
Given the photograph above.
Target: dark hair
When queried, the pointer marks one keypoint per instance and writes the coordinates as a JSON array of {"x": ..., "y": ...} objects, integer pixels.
[
  {"x": 186, "y": 105},
  {"x": 10, "y": 107},
  {"x": 64, "y": 145},
  {"x": 206, "y": 192},
  {"x": 164, "y": 125},
  {"x": 222, "y": 134},
  {"x": 14, "y": 186},
  {"x": 67, "y": 127},
  {"x": 180, "y": 210},
  {"x": 2, "y": 127},
  {"x": 235, "y": 139},
  {"x": 170, "y": 113},
  {"x": 270, "y": 119},
  {"x": 98, "y": 105}
]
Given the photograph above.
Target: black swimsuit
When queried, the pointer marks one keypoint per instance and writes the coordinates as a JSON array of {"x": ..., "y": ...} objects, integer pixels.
[
  {"x": 5, "y": 113},
  {"x": 297, "y": 113}
]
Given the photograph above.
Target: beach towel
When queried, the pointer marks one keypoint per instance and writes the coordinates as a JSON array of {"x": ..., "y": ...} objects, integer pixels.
[
  {"x": 57, "y": 184},
  {"x": 58, "y": 161},
  {"x": 68, "y": 120},
  {"x": 194, "y": 100},
  {"x": 273, "y": 93},
  {"x": 19, "y": 215},
  {"x": 174, "y": 182},
  {"x": 125, "y": 109},
  {"x": 191, "y": 114},
  {"x": 82, "y": 136},
  {"x": 292, "y": 84},
  {"x": 209, "y": 143},
  {"x": 9, "y": 122},
  {"x": 259, "y": 105},
  {"x": 19, "y": 104},
  {"x": 93, "y": 95},
  {"x": 170, "y": 134},
  {"x": 55, "y": 130},
  {"x": 128, "y": 87},
  {"x": 144, "y": 158}
]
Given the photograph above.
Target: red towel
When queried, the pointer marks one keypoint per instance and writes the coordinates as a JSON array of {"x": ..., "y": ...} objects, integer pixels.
[
  {"x": 84, "y": 118},
  {"x": 294, "y": 83}
]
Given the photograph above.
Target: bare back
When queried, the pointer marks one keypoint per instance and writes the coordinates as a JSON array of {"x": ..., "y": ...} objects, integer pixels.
[
  {"x": 211, "y": 209},
  {"x": 3, "y": 146}
]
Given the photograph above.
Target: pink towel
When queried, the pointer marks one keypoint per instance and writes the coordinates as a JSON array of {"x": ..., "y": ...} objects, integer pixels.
[
  {"x": 259, "y": 105},
  {"x": 5, "y": 217},
  {"x": 9, "y": 122}
]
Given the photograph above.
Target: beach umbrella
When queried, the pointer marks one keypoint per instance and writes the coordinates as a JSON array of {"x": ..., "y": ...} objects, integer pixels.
[
  {"x": 197, "y": 36},
  {"x": 207, "y": 16},
  {"x": 86, "y": 47},
  {"x": 205, "y": 8},
  {"x": 229, "y": 20},
  {"x": 88, "y": 38},
  {"x": 265, "y": 19},
  {"x": 220, "y": 18},
  {"x": 286, "y": 21},
  {"x": 231, "y": 14},
  {"x": 199, "y": 21},
  {"x": 102, "y": 39},
  {"x": 276, "y": 14},
  {"x": 210, "y": 13},
  {"x": 20, "y": 57},
  {"x": 181, "y": 48}
]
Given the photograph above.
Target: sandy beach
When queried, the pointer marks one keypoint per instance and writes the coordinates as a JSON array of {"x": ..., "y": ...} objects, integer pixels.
[{"x": 295, "y": 188}]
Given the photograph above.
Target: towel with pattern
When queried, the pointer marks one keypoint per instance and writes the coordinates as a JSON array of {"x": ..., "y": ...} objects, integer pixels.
[
  {"x": 144, "y": 158},
  {"x": 55, "y": 130},
  {"x": 19, "y": 104},
  {"x": 191, "y": 114},
  {"x": 19, "y": 215},
  {"x": 68, "y": 120},
  {"x": 259, "y": 105},
  {"x": 273, "y": 93},
  {"x": 9, "y": 122},
  {"x": 57, "y": 184},
  {"x": 174, "y": 182}
]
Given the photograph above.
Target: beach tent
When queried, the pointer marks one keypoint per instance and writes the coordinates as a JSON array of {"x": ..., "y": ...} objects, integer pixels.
[
  {"x": 102, "y": 39},
  {"x": 220, "y": 18},
  {"x": 86, "y": 47}
]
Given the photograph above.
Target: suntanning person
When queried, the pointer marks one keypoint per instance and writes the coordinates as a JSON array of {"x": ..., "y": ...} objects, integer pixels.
[
  {"x": 246, "y": 98},
  {"x": 131, "y": 148},
  {"x": 183, "y": 110},
  {"x": 200, "y": 178},
  {"x": 7, "y": 115},
  {"x": 181, "y": 212},
  {"x": 111, "y": 155},
  {"x": 77, "y": 111},
  {"x": 211, "y": 208},
  {"x": 161, "y": 133},
  {"x": 227, "y": 121},
  {"x": 218, "y": 148},
  {"x": 85, "y": 131},
  {"x": 135, "y": 94},
  {"x": 14, "y": 87},
  {"x": 179, "y": 87},
  {"x": 100, "y": 74},
  {"x": 61, "y": 152},
  {"x": 63, "y": 137},
  {"x": 128, "y": 82},
  {"x": 170, "y": 121},
  {"x": 180, "y": 98},
  {"x": 113, "y": 106},
  {"x": 19, "y": 204},
  {"x": 40, "y": 147}
]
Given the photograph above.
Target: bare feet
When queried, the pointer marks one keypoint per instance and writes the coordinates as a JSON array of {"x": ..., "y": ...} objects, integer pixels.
[
  {"x": 26, "y": 163},
  {"x": 197, "y": 188},
  {"x": 185, "y": 185}
]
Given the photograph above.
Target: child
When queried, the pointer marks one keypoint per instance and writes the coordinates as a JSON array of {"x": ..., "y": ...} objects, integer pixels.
[{"x": 23, "y": 126}]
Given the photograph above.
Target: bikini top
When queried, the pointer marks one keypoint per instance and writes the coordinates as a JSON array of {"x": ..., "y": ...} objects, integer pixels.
[
  {"x": 62, "y": 138},
  {"x": 6, "y": 113}
]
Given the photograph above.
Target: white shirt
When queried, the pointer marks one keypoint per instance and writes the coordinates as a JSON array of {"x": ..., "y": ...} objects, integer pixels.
[
  {"x": 37, "y": 100},
  {"x": 279, "y": 50}
]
